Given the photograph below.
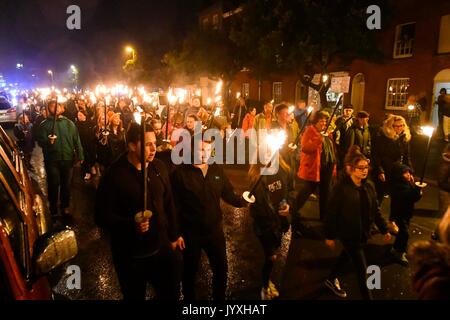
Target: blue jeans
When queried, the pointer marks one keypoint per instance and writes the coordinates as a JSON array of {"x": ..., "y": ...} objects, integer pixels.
[{"x": 59, "y": 178}]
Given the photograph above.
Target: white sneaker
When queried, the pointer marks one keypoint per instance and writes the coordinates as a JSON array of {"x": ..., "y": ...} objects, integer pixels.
[
  {"x": 336, "y": 288},
  {"x": 273, "y": 290}
]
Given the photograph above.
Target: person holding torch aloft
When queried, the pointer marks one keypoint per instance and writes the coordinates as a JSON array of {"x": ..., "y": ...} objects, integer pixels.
[{"x": 141, "y": 220}]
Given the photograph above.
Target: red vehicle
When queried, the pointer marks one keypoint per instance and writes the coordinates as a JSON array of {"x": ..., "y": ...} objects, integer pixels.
[{"x": 28, "y": 251}]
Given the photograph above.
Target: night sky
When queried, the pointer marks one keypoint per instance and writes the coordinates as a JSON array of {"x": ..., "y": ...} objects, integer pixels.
[{"x": 34, "y": 33}]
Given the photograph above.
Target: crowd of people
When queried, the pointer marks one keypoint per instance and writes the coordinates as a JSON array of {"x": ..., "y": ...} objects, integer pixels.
[{"x": 342, "y": 160}]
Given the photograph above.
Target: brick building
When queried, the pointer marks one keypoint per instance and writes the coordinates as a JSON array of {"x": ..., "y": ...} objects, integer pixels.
[{"x": 417, "y": 62}]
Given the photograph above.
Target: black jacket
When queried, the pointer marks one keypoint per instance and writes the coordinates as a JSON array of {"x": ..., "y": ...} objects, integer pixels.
[
  {"x": 115, "y": 147},
  {"x": 388, "y": 152},
  {"x": 198, "y": 198},
  {"x": 344, "y": 218},
  {"x": 119, "y": 197},
  {"x": 86, "y": 129},
  {"x": 360, "y": 137},
  {"x": 403, "y": 194},
  {"x": 268, "y": 194}
]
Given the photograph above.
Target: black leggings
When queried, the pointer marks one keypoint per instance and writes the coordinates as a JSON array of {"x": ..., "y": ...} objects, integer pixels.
[
  {"x": 402, "y": 237},
  {"x": 307, "y": 188},
  {"x": 270, "y": 242},
  {"x": 215, "y": 249},
  {"x": 356, "y": 254}
]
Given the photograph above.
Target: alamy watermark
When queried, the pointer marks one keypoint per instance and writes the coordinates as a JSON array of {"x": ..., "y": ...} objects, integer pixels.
[
  {"x": 263, "y": 147},
  {"x": 374, "y": 279},
  {"x": 74, "y": 279},
  {"x": 73, "y": 21},
  {"x": 373, "y": 22}
]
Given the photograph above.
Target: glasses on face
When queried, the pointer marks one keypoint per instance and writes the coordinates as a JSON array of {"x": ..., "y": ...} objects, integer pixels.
[
  {"x": 362, "y": 168},
  {"x": 398, "y": 125}
]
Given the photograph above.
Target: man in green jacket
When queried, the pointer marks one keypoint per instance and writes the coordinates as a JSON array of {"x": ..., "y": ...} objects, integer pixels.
[{"x": 60, "y": 154}]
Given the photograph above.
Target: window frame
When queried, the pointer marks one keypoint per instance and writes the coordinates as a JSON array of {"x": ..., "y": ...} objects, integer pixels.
[
  {"x": 398, "y": 29},
  {"x": 442, "y": 36},
  {"x": 245, "y": 90},
  {"x": 388, "y": 85},
  {"x": 274, "y": 84}
]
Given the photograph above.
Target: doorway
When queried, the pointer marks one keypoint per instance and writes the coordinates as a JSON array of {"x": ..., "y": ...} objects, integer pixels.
[
  {"x": 441, "y": 80},
  {"x": 358, "y": 87}
]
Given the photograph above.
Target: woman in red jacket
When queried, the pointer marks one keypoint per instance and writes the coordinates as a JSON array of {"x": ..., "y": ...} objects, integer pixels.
[{"x": 317, "y": 163}]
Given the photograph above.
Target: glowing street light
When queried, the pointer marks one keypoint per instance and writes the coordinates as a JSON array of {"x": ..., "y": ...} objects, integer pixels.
[
  {"x": 50, "y": 72},
  {"x": 131, "y": 51}
]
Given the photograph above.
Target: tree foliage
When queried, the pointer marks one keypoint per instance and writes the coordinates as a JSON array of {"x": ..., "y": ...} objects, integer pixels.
[
  {"x": 206, "y": 53},
  {"x": 305, "y": 36},
  {"x": 283, "y": 36}
]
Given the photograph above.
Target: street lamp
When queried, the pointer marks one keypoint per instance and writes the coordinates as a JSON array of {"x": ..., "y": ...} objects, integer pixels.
[
  {"x": 50, "y": 72},
  {"x": 131, "y": 51}
]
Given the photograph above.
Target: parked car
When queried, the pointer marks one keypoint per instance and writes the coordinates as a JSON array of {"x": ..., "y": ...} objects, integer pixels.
[
  {"x": 7, "y": 111},
  {"x": 28, "y": 249}
]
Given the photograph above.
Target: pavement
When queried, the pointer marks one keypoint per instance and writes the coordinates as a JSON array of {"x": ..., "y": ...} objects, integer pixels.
[{"x": 300, "y": 270}]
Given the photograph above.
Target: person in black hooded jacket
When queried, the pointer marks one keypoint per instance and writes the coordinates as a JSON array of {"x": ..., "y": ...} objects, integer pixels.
[
  {"x": 351, "y": 210},
  {"x": 404, "y": 193}
]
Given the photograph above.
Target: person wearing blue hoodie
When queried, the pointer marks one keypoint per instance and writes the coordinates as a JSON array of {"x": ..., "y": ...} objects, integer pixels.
[{"x": 404, "y": 194}]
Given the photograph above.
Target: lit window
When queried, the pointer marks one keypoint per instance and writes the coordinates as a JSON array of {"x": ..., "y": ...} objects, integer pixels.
[
  {"x": 277, "y": 93},
  {"x": 404, "y": 40},
  {"x": 397, "y": 93}
]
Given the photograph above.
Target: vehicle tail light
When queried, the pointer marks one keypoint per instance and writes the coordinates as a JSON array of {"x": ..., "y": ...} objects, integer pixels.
[{"x": 11, "y": 110}]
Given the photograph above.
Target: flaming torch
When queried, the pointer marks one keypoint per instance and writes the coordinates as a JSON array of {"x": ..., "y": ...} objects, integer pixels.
[
  {"x": 107, "y": 101},
  {"x": 427, "y": 131},
  {"x": 145, "y": 214},
  {"x": 275, "y": 141}
]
